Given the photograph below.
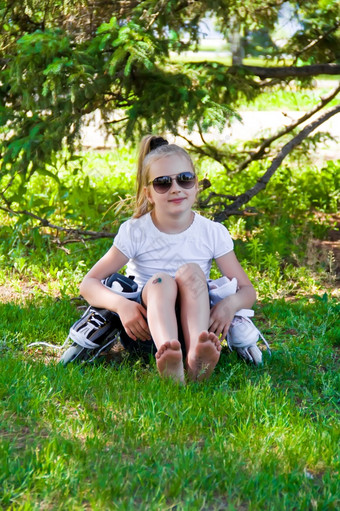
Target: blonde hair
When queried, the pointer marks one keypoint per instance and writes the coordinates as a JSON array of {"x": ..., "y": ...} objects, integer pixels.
[{"x": 147, "y": 156}]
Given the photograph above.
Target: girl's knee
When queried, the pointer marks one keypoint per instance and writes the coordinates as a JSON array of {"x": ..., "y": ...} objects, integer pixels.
[
  {"x": 160, "y": 283},
  {"x": 160, "y": 277},
  {"x": 189, "y": 273},
  {"x": 191, "y": 280}
]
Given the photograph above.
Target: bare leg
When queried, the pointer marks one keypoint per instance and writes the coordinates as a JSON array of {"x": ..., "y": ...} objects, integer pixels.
[
  {"x": 159, "y": 296},
  {"x": 203, "y": 348}
]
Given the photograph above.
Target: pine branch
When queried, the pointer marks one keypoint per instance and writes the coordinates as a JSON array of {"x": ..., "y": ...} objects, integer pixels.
[
  {"x": 259, "y": 153},
  {"x": 198, "y": 149},
  {"x": 201, "y": 135},
  {"x": 115, "y": 121},
  {"x": 212, "y": 152},
  {"x": 292, "y": 71},
  {"x": 244, "y": 198},
  {"x": 316, "y": 41}
]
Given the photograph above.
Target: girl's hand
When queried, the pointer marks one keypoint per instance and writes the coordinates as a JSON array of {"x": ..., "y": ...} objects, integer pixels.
[
  {"x": 221, "y": 315},
  {"x": 132, "y": 316}
]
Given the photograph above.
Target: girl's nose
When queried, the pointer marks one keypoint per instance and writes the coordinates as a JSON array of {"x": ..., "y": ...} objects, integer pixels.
[{"x": 174, "y": 186}]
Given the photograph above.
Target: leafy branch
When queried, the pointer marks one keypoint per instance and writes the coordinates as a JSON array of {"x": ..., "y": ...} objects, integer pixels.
[
  {"x": 316, "y": 41},
  {"x": 77, "y": 232}
]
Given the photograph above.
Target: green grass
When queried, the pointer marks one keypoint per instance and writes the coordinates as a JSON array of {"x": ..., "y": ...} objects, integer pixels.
[
  {"x": 115, "y": 436},
  {"x": 215, "y": 56},
  {"x": 289, "y": 100}
]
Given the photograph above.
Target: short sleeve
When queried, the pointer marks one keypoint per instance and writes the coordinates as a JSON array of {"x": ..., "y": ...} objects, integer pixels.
[
  {"x": 123, "y": 240},
  {"x": 223, "y": 242}
]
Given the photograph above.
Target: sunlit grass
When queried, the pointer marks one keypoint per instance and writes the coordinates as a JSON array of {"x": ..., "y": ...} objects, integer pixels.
[
  {"x": 262, "y": 438},
  {"x": 289, "y": 100}
]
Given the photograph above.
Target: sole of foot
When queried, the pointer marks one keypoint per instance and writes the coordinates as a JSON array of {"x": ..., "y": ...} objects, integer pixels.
[
  {"x": 205, "y": 357},
  {"x": 169, "y": 360}
]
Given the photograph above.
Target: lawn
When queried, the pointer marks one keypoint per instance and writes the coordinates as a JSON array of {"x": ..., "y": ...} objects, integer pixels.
[{"x": 115, "y": 436}]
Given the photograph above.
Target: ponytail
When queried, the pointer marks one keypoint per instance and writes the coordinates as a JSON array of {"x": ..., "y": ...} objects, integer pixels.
[{"x": 148, "y": 143}]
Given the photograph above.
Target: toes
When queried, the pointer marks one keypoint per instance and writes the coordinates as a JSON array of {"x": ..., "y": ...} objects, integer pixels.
[
  {"x": 174, "y": 345},
  {"x": 213, "y": 338},
  {"x": 161, "y": 350},
  {"x": 168, "y": 345},
  {"x": 204, "y": 336},
  {"x": 209, "y": 336}
]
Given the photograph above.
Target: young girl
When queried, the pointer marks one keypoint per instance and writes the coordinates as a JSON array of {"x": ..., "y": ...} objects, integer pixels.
[{"x": 169, "y": 249}]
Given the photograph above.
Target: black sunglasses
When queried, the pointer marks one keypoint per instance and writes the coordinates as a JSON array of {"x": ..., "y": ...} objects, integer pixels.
[{"x": 163, "y": 184}]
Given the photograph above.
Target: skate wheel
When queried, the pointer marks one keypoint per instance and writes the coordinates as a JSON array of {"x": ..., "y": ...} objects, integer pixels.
[
  {"x": 256, "y": 355},
  {"x": 70, "y": 354}
]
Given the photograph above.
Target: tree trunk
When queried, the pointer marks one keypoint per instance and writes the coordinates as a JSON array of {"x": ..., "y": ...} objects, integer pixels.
[{"x": 235, "y": 39}]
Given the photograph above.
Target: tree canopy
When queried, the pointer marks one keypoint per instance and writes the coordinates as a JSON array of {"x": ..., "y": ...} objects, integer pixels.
[{"x": 62, "y": 60}]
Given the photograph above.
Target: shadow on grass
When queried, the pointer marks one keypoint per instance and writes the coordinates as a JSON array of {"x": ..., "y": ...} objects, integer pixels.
[
  {"x": 303, "y": 336},
  {"x": 78, "y": 433},
  {"x": 73, "y": 434}
]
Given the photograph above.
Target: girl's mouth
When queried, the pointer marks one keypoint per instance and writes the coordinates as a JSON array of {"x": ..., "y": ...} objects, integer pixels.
[{"x": 176, "y": 201}]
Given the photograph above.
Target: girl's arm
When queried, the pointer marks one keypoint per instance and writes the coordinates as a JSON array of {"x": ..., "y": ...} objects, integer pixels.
[
  {"x": 132, "y": 314},
  {"x": 221, "y": 315},
  {"x": 93, "y": 290}
]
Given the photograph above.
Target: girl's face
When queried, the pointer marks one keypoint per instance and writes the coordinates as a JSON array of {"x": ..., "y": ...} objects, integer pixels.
[{"x": 177, "y": 199}]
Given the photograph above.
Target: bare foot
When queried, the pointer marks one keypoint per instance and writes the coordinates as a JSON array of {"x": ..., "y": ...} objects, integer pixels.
[
  {"x": 169, "y": 360},
  {"x": 205, "y": 357}
]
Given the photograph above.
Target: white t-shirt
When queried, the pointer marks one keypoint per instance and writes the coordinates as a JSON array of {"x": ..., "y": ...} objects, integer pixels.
[{"x": 150, "y": 250}]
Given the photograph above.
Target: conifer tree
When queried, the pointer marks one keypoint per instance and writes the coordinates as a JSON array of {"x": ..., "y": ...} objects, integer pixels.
[{"x": 62, "y": 60}]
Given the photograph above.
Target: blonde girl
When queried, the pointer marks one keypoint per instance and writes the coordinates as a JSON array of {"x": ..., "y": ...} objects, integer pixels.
[{"x": 169, "y": 248}]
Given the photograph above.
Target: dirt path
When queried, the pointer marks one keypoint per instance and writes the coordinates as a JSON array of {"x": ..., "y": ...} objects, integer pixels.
[{"x": 253, "y": 125}]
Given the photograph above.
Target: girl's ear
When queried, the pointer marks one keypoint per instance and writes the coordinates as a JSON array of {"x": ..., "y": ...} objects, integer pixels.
[{"x": 148, "y": 194}]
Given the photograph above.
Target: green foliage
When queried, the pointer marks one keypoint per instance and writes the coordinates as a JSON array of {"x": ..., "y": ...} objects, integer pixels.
[
  {"x": 95, "y": 191},
  {"x": 53, "y": 83},
  {"x": 322, "y": 18},
  {"x": 298, "y": 187},
  {"x": 63, "y": 60}
]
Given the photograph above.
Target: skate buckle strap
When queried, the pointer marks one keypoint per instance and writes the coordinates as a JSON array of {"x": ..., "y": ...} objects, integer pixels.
[
  {"x": 82, "y": 340},
  {"x": 245, "y": 313},
  {"x": 118, "y": 290}
]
